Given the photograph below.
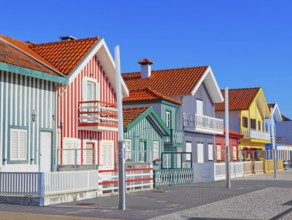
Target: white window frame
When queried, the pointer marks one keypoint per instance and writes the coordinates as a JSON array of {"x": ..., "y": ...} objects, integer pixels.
[
  {"x": 188, "y": 150},
  {"x": 68, "y": 156},
  {"x": 168, "y": 119},
  {"x": 200, "y": 152},
  {"x": 128, "y": 149},
  {"x": 155, "y": 150},
  {"x": 84, "y": 88},
  {"x": 234, "y": 153},
  {"x": 19, "y": 145},
  {"x": 110, "y": 163},
  {"x": 210, "y": 152},
  {"x": 95, "y": 151},
  {"x": 218, "y": 152}
]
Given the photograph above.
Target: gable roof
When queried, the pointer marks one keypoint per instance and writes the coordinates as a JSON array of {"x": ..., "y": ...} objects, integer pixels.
[
  {"x": 239, "y": 99},
  {"x": 65, "y": 55},
  {"x": 69, "y": 57},
  {"x": 132, "y": 116},
  {"x": 276, "y": 112},
  {"x": 179, "y": 81},
  {"x": 285, "y": 118},
  {"x": 148, "y": 94}
]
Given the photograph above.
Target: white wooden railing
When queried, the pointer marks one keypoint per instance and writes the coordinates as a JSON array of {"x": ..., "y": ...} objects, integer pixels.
[
  {"x": 68, "y": 182},
  {"x": 203, "y": 123},
  {"x": 51, "y": 183},
  {"x": 255, "y": 134},
  {"x": 220, "y": 170},
  {"x": 136, "y": 179}
]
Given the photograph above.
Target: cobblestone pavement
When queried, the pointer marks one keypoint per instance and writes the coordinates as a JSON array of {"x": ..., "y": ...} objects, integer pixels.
[{"x": 253, "y": 197}]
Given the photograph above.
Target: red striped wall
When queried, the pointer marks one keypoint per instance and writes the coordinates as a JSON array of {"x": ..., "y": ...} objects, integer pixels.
[{"x": 72, "y": 94}]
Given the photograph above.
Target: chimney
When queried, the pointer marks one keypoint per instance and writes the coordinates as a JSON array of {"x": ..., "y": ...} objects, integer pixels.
[
  {"x": 67, "y": 38},
  {"x": 145, "y": 67}
]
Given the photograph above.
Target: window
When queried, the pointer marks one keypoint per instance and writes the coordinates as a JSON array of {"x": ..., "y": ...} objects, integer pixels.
[
  {"x": 168, "y": 119},
  {"x": 244, "y": 122},
  {"x": 200, "y": 152},
  {"x": 253, "y": 123},
  {"x": 210, "y": 152},
  {"x": 128, "y": 149},
  {"x": 18, "y": 144},
  {"x": 155, "y": 150},
  {"x": 188, "y": 150},
  {"x": 142, "y": 151},
  {"x": 90, "y": 89},
  {"x": 234, "y": 153},
  {"x": 219, "y": 154},
  {"x": 199, "y": 107},
  {"x": 259, "y": 126}
]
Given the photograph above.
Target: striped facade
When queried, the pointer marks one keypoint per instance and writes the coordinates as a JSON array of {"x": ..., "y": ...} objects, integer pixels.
[
  {"x": 145, "y": 132},
  {"x": 20, "y": 96},
  {"x": 71, "y": 95}
]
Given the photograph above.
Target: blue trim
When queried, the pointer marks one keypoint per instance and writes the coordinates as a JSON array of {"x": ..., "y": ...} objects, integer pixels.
[
  {"x": 8, "y": 148},
  {"x": 33, "y": 73}
]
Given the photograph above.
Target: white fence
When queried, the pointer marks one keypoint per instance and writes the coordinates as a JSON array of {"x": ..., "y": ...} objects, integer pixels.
[
  {"x": 209, "y": 172},
  {"x": 69, "y": 182}
]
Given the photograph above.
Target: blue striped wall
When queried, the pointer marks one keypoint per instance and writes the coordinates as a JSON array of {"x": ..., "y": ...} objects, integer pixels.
[{"x": 19, "y": 96}]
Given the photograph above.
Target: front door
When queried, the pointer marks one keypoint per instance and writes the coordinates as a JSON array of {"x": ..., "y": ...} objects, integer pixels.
[{"x": 45, "y": 151}]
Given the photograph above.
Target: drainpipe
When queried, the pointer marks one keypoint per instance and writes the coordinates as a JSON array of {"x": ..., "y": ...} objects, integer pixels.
[{"x": 121, "y": 146}]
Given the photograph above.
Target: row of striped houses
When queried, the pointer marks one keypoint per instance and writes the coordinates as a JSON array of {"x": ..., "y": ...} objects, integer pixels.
[{"x": 58, "y": 105}]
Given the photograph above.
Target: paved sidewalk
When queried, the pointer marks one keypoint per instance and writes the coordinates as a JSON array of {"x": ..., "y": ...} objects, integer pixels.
[{"x": 253, "y": 197}]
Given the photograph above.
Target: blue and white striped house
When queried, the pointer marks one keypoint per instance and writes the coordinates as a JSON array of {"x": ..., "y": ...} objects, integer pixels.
[{"x": 27, "y": 110}]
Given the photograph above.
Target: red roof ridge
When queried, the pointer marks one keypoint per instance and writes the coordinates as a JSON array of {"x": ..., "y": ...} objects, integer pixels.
[
  {"x": 64, "y": 41},
  {"x": 242, "y": 88},
  {"x": 164, "y": 96},
  {"x": 168, "y": 69}
]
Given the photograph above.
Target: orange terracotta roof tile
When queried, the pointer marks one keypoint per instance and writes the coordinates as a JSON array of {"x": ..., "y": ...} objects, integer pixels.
[
  {"x": 148, "y": 94},
  {"x": 65, "y": 55},
  {"x": 26, "y": 48},
  {"x": 10, "y": 55},
  {"x": 180, "y": 81},
  {"x": 130, "y": 114},
  {"x": 239, "y": 99},
  {"x": 62, "y": 56},
  {"x": 285, "y": 118}
]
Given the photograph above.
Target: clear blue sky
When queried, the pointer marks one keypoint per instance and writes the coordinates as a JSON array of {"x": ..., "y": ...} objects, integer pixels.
[{"x": 248, "y": 43}]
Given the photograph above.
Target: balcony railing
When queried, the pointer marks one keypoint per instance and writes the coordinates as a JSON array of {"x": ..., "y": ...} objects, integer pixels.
[
  {"x": 202, "y": 123},
  {"x": 255, "y": 134},
  {"x": 176, "y": 137},
  {"x": 97, "y": 116}
]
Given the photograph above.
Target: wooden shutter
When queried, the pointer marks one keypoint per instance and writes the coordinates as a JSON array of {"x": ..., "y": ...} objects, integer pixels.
[
  {"x": 189, "y": 150},
  {"x": 13, "y": 145},
  {"x": 210, "y": 152},
  {"x": 219, "y": 156},
  {"x": 155, "y": 150},
  {"x": 200, "y": 152},
  {"x": 84, "y": 89},
  {"x": 107, "y": 155}
]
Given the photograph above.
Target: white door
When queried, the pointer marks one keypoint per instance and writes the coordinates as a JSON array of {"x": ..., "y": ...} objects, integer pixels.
[
  {"x": 200, "y": 152},
  {"x": 45, "y": 151}
]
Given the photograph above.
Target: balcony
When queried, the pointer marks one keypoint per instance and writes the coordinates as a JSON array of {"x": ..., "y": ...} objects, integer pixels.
[
  {"x": 255, "y": 134},
  {"x": 203, "y": 124},
  {"x": 97, "y": 116},
  {"x": 175, "y": 139}
]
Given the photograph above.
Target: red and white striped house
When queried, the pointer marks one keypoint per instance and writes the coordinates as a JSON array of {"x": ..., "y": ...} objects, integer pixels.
[{"x": 86, "y": 118}]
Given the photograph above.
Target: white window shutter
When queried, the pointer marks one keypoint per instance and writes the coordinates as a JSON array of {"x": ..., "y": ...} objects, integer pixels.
[
  {"x": 97, "y": 87},
  {"x": 13, "y": 145},
  {"x": 84, "y": 89},
  {"x": 188, "y": 150},
  {"x": 200, "y": 152},
  {"x": 210, "y": 152},
  {"x": 22, "y": 145}
]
